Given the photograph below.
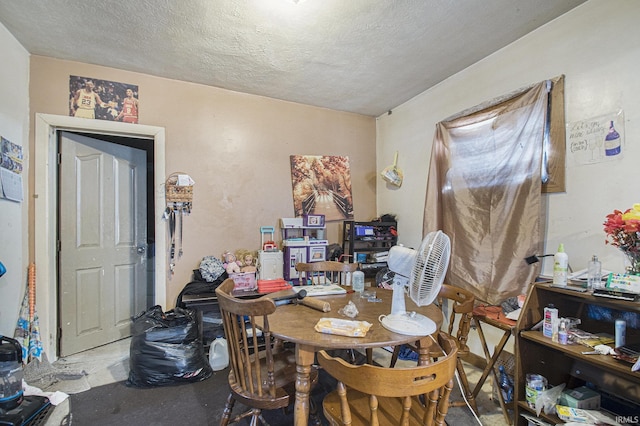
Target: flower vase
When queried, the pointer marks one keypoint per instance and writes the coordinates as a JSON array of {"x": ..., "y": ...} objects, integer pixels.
[{"x": 633, "y": 259}]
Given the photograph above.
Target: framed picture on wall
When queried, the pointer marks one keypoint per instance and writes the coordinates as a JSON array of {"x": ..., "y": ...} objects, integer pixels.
[
  {"x": 103, "y": 99},
  {"x": 321, "y": 186}
]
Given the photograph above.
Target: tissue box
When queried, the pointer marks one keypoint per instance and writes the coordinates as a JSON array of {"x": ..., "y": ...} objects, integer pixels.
[{"x": 581, "y": 397}]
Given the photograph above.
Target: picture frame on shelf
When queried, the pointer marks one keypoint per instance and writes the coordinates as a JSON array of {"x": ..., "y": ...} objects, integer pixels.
[{"x": 313, "y": 220}]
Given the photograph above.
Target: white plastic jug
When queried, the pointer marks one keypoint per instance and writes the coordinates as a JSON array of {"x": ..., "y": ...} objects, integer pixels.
[{"x": 219, "y": 354}]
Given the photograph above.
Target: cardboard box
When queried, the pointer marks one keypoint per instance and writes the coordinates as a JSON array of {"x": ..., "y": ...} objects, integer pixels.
[
  {"x": 579, "y": 415},
  {"x": 581, "y": 397}
]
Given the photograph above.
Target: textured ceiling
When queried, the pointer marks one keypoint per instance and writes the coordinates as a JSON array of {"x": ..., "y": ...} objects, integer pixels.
[{"x": 362, "y": 56}]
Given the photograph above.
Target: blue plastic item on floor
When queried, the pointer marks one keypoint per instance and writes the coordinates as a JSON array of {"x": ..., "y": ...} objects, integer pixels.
[{"x": 407, "y": 354}]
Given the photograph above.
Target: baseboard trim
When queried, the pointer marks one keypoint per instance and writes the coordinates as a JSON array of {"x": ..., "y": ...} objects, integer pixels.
[{"x": 475, "y": 360}]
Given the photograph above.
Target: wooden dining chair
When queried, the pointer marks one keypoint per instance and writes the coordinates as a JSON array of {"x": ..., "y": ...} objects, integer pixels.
[
  {"x": 373, "y": 395},
  {"x": 462, "y": 302},
  {"x": 326, "y": 272},
  {"x": 262, "y": 373}
]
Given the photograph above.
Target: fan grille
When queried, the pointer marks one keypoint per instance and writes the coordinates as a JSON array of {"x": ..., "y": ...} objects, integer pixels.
[{"x": 430, "y": 268}]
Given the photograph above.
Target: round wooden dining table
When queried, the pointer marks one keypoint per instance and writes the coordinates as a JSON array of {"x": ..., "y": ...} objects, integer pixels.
[{"x": 295, "y": 323}]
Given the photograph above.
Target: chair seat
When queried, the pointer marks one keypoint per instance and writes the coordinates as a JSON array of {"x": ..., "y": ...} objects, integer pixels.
[{"x": 389, "y": 409}]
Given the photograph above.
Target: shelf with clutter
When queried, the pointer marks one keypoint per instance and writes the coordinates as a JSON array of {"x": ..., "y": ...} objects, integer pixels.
[
  {"x": 572, "y": 342},
  {"x": 368, "y": 243}
]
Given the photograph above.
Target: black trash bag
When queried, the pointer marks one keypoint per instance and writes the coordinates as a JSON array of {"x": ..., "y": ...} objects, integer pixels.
[{"x": 166, "y": 349}]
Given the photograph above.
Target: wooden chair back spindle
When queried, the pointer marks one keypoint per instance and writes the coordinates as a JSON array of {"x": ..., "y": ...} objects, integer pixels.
[
  {"x": 261, "y": 374},
  {"x": 373, "y": 395},
  {"x": 326, "y": 272}
]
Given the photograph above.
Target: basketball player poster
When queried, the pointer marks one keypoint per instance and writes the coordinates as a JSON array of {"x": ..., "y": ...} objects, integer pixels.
[{"x": 103, "y": 99}]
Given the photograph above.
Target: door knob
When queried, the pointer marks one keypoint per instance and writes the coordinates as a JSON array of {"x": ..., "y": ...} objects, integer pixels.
[{"x": 141, "y": 249}]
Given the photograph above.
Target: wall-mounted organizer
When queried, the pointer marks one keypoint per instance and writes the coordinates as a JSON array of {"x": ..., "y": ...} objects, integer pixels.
[{"x": 179, "y": 199}]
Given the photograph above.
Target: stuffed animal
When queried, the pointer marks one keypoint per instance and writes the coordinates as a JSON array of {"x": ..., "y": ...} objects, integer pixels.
[{"x": 231, "y": 264}]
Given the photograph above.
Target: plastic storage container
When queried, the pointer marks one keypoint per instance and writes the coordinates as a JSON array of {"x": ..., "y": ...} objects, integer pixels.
[{"x": 219, "y": 354}]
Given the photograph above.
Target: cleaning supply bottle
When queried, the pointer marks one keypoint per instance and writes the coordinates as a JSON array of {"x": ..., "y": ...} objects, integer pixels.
[
  {"x": 358, "y": 280},
  {"x": 550, "y": 317},
  {"x": 219, "y": 354},
  {"x": 560, "y": 267}
]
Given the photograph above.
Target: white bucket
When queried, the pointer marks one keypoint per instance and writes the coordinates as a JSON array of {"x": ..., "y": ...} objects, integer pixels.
[{"x": 219, "y": 354}]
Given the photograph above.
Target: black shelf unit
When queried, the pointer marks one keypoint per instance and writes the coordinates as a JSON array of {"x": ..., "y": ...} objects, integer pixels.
[{"x": 368, "y": 239}]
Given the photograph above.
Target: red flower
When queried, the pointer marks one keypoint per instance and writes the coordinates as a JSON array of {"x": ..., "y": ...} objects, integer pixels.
[{"x": 623, "y": 230}]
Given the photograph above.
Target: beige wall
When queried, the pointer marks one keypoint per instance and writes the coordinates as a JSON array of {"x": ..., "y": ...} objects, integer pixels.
[
  {"x": 596, "y": 47},
  {"x": 235, "y": 146}
]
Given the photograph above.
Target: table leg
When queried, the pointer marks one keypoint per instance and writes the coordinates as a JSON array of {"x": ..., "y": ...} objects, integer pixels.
[
  {"x": 304, "y": 359},
  {"x": 423, "y": 347}
]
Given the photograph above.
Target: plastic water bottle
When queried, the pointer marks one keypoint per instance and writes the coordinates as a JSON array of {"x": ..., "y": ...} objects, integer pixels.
[
  {"x": 358, "y": 281},
  {"x": 594, "y": 273},
  {"x": 506, "y": 385},
  {"x": 219, "y": 354}
]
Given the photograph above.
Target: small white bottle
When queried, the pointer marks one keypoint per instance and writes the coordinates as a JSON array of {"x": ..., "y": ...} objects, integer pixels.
[
  {"x": 358, "y": 281},
  {"x": 563, "y": 333},
  {"x": 560, "y": 267},
  {"x": 594, "y": 273}
]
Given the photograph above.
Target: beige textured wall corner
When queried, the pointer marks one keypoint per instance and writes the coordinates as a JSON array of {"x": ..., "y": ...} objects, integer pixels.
[{"x": 235, "y": 146}]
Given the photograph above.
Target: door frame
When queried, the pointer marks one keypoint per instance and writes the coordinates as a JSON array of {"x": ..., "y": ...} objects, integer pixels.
[{"x": 45, "y": 210}]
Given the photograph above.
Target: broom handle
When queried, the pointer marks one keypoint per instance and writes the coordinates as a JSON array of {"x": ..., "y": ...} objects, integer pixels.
[
  {"x": 32, "y": 290},
  {"x": 395, "y": 160}
]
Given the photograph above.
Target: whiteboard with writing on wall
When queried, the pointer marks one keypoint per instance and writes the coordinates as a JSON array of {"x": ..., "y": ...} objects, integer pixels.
[{"x": 596, "y": 140}]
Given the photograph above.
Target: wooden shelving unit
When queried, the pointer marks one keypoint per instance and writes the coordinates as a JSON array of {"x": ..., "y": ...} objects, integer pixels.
[{"x": 538, "y": 354}]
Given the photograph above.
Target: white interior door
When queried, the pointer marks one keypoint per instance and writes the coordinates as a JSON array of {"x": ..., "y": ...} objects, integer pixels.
[{"x": 103, "y": 241}]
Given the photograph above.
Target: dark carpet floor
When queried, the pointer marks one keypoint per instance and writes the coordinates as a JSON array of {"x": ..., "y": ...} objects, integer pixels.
[{"x": 199, "y": 403}]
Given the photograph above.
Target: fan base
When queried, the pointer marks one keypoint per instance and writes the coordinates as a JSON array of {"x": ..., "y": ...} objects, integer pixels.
[{"x": 408, "y": 323}]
